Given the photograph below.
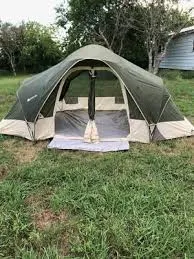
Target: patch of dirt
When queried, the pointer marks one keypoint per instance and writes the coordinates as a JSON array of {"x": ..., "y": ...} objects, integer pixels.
[
  {"x": 35, "y": 201},
  {"x": 64, "y": 246},
  {"x": 177, "y": 146},
  {"x": 40, "y": 200},
  {"x": 24, "y": 151},
  {"x": 3, "y": 172},
  {"x": 46, "y": 218},
  {"x": 186, "y": 144}
]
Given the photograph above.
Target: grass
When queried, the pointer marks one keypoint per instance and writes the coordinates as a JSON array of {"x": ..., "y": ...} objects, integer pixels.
[
  {"x": 136, "y": 204},
  {"x": 8, "y": 87}
]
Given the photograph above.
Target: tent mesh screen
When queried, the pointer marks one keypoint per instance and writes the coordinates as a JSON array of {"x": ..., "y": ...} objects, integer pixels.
[
  {"x": 48, "y": 108},
  {"x": 106, "y": 85}
]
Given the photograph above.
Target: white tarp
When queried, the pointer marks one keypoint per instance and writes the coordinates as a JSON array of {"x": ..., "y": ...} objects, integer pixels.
[{"x": 103, "y": 146}]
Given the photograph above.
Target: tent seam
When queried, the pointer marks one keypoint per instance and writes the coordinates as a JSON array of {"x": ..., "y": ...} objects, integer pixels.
[{"x": 169, "y": 98}]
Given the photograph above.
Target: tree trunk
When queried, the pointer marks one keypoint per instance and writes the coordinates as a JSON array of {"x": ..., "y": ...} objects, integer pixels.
[
  {"x": 157, "y": 61},
  {"x": 121, "y": 45},
  {"x": 156, "y": 65},
  {"x": 103, "y": 37},
  {"x": 158, "y": 57},
  {"x": 13, "y": 65},
  {"x": 150, "y": 59}
]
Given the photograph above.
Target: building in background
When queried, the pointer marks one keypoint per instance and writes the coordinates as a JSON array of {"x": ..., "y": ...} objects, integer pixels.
[{"x": 180, "y": 52}]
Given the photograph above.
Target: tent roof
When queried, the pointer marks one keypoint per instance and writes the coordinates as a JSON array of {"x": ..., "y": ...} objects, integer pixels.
[
  {"x": 101, "y": 53},
  {"x": 146, "y": 89}
]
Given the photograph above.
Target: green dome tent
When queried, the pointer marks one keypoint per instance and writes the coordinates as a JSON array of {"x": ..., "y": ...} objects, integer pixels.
[{"x": 149, "y": 109}]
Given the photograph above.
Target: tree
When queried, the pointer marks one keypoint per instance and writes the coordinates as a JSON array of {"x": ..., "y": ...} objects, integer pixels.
[
  {"x": 40, "y": 50},
  {"x": 159, "y": 18},
  {"x": 29, "y": 47},
  {"x": 11, "y": 38},
  {"x": 103, "y": 22}
]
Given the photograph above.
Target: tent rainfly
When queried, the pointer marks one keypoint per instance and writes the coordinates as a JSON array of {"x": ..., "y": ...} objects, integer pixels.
[{"x": 147, "y": 112}]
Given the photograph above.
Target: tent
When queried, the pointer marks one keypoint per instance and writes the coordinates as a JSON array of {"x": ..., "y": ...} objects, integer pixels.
[{"x": 143, "y": 111}]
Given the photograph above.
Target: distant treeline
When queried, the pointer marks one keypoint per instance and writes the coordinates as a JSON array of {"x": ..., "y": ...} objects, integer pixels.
[{"x": 28, "y": 48}]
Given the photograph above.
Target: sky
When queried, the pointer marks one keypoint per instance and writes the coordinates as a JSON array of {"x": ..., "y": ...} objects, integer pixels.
[
  {"x": 15, "y": 11},
  {"x": 42, "y": 11},
  {"x": 188, "y": 4}
]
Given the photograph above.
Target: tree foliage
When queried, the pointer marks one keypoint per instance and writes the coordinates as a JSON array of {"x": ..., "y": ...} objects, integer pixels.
[
  {"x": 28, "y": 47},
  {"x": 109, "y": 23},
  {"x": 11, "y": 43},
  {"x": 40, "y": 50},
  {"x": 138, "y": 30}
]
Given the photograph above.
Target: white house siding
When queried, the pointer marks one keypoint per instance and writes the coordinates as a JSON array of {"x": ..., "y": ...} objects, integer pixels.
[{"x": 180, "y": 53}]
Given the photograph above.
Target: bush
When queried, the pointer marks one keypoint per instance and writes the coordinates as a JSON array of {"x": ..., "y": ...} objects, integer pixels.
[
  {"x": 172, "y": 74},
  {"x": 188, "y": 74},
  {"x": 4, "y": 72}
]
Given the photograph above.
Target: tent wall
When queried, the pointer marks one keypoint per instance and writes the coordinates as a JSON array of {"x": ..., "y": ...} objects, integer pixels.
[
  {"x": 16, "y": 112},
  {"x": 139, "y": 131},
  {"x": 14, "y": 123},
  {"x": 34, "y": 91},
  {"x": 173, "y": 129},
  {"x": 45, "y": 128},
  {"x": 15, "y": 128}
]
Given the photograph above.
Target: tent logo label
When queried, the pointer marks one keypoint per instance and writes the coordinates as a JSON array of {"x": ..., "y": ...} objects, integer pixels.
[{"x": 32, "y": 98}]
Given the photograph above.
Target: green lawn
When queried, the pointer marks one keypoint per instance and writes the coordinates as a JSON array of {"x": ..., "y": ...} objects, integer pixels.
[{"x": 136, "y": 204}]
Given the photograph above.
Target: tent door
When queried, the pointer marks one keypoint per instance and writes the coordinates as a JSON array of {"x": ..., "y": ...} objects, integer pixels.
[
  {"x": 108, "y": 113},
  {"x": 92, "y": 122}
]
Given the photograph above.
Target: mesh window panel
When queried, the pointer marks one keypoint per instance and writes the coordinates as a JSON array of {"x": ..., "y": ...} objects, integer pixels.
[
  {"x": 48, "y": 108},
  {"x": 106, "y": 85},
  {"x": 171, "y": 113},
  {"x": 133, "y": 109},
  {"x": 78, "y": 87},
  {"x": 16, "y": 112}
]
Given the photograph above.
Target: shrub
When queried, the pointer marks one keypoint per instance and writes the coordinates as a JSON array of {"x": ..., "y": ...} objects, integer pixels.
[{"x": 170, "y": 74}]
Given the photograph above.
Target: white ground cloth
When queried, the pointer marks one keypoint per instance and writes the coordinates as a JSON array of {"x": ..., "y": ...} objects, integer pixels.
[{"x": 59, "y": 142}]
